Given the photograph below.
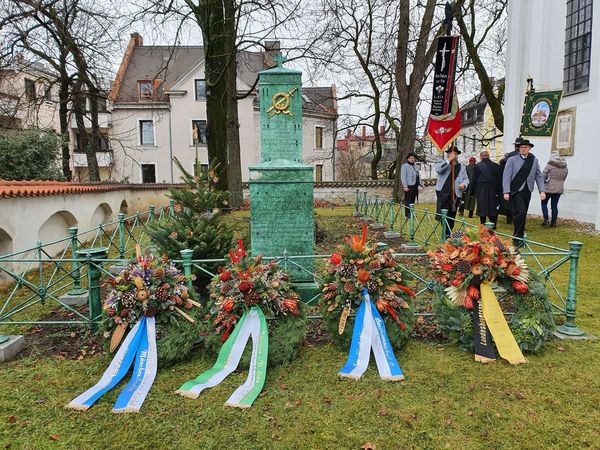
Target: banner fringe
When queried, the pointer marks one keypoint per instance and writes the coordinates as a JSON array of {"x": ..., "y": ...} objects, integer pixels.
[
  {"x": 187, "y": 394},
  {"x": 124, "y": 410},
  {"x": 236, "y": 405},
  {"x": 77, "y": 407},
  {"x": 346, "y": 375},
  {"x": 484, "y": 360},
  {"x": 393, "y": 378}
]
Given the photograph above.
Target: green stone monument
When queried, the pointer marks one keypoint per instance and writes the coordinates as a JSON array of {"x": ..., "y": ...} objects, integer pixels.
[{"x": 281, "y": 186}]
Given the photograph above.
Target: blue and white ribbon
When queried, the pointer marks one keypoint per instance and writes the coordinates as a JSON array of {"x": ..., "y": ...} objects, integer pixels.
[
  {"x": 139, "y": 344},
  {"x": 369, "y": 333}
]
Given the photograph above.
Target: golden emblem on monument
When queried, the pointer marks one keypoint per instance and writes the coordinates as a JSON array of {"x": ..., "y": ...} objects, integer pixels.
[{"x": 281, "y": 103}]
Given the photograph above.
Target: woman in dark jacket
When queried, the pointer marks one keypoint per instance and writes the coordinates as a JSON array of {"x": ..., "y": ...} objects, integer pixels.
[
  {"x": 555, "y": 174},
  {"x": 469, "y": 194}
]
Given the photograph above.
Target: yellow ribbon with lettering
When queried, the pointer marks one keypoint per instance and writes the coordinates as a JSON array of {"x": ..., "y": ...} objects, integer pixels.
[{"x": 494, "y": 318}]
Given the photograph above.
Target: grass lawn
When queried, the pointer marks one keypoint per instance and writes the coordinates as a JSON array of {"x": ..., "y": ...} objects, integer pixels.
[{"x": 447, "y": 401}]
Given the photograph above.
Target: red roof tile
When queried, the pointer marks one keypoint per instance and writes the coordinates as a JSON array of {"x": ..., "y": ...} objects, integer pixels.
[{"x": 45, "y": 188}]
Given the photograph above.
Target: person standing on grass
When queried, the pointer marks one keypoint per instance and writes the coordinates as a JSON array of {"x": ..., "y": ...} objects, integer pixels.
[
  {"x": 469, "y": 194},
  {"x": 487, "y": 187},
  {"x": 452, "y": 181},
  {"x": 555, "y": 173},
  {"x": 520, "y": 175},
  {"x": 504, "y": 208},
  {"x": 409, "y": 177}
]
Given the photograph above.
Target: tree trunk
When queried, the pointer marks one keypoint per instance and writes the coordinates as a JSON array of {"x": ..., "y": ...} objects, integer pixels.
[
  {"x": 234, "y": 169},
  {"x": 211, "y": 19},
  {"x": 79, "y": 97},
  {"x": 377, "y": 151},
  {"x": 63, "y": 115}
]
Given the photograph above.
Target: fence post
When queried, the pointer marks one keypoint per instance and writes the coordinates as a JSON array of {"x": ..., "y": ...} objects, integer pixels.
[
  {"x": 376, "y": 214},
  {"x": 411, "y": 223},
  {"x": 151, "y": 213},
  {"x": 444, "y": 224},
  {"x": 171, "y": 207},
  {"x": 75, "y": 266},
  {"x": 121, "y": 217},
  {"x": 186, "y": 255},
  {"x": 357, "y": 200},
  {"x": 92, "y": 256},
  {"x": 392, "y": 214},
  {"x": 569, "y": 328}
]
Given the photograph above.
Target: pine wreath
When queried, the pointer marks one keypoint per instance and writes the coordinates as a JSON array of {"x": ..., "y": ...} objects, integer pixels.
[
  {"x": 357, "y": 266},
  {"x": 153, "y": 287},
  {"x": 246, "y": 282},
  {"x": 463, "y": 261}
]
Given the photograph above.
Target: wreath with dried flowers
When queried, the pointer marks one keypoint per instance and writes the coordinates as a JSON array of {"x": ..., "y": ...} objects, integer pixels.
[
  {"x": 357, "y": 266},
  {"x": 152, "y": 287},
  {"x": 462, "y": 263},
  {"x": 245, "y": 282}
]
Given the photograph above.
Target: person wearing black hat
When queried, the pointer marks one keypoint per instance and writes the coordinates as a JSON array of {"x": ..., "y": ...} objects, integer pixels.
[
  {"x": 520, "y": 175},
  {"x": 487, "y": 185},
  {"x": 504, "y": 208},
  {"x": 409, "y": 177},
  {"x": 452, "y": 181}
]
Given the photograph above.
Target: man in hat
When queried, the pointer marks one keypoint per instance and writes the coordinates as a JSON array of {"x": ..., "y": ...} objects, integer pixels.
[
  {"x": 520, "y": 175},
  {"x": 409, "y": 177},
  {"x": 452, "y": 181},
  {"x": 504, "y": 205},
  {"x": 487, "y": 186}
]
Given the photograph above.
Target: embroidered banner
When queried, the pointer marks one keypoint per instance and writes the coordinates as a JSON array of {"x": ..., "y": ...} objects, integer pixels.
[
  {"x": 539, "y": 113},
  {"x": 444, "y": 120}
]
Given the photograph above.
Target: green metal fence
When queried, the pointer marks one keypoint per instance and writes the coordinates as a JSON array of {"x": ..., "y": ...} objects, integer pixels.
[
  {"x": 424, "y": 228},
  {"x": 35, "y": 279},
  {"x": 42, "y": 278}
]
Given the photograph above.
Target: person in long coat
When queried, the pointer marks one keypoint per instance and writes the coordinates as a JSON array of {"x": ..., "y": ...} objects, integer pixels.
[
  {"x": 505, "y": 205},
  {"x": 450, "y": 174},
  {"x": 487, "y": 186},
  {"x": 520, "y": 176},
  {"x": 469, "y": 194}
]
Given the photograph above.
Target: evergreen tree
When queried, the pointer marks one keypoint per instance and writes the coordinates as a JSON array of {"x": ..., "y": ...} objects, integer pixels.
[{"x": 196, "y": 224}]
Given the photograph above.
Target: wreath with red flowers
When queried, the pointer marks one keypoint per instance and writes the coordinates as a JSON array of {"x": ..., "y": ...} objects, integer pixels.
[
  {"x": 357, "y": 265},
  {"x": 466, "y": 259},
  {"x": 247, "y": 281}
]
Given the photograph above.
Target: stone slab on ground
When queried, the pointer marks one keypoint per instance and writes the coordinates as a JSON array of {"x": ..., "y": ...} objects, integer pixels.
[
  {"x": 357, "y": 214},
  {"x": 377, "y": 226},
  {"x": 12, "y": 347},
  {"x": 79, "y": 299},
  {"x": 391, "y": 235},
  {"x": 411, "y": 246}
]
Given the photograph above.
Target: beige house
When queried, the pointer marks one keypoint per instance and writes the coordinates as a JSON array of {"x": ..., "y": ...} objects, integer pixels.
[
  {"x": 28, "y": 97},
  {"x": 158, "y": 112}
]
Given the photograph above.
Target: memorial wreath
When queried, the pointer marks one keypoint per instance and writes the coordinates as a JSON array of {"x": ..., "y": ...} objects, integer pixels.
[
  {"x": 362, "y": 277},
  {"x": 243, "y": 295},
  {"x": 469, "y": 267}
]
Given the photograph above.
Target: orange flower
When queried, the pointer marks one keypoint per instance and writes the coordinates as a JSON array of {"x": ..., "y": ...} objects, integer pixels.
[
  {"x": 473, "y": 292},
  {"x": 228, "y": 305},
  {"x": 363, "y": 276},
  {"x": 487, "y": 261},
  {"x": 476, "y": 269},
  {"x": 520, "y": 287}
]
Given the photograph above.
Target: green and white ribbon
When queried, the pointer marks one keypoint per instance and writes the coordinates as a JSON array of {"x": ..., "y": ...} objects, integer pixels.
[{"x": 252, "y": 325}]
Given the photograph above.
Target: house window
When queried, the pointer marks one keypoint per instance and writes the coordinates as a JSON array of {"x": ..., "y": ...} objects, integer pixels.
[
  {"x": 203, "y": 168},
  {"x": 319, "y": 172},
  {"x": 578, "y": 43},
  {"x": 146, "y": 132},
  {"x": 198, "y": 132},
  {"x": 200, "y": 89},
  {"x": 30, "y": 94},
  {"x": 146, "y": 89},
  {"x": 319, "y": 137},
  {"x": 82, "y": 142},
  {"x": 148, "y": 173}
]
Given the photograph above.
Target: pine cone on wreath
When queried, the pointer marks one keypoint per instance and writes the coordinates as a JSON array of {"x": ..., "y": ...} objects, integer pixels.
[
  {"x": 329, "y": 296},
  {"x": 372, "y": 286},
  {"x": 347, "y": 270},
  {"x": 500, "y": 245},
  {"x": 348, "y": 287},
  {"x": 456, "y": 235},
  {"x": 374, "y": 264},
  {"x": 252, "y": 298},
  {"x": 162, "y": 295},
  {"x": 225, "y": 288},
  {"x": 463, "y": 267},
  {"x": 127, "y": 300}
]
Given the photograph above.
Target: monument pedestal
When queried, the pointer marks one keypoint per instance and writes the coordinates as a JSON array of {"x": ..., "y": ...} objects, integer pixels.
[{"x": 11, "y": 347}]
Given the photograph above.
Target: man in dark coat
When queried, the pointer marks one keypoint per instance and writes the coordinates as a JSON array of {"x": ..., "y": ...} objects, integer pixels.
[
  {"x": 521, "y": 174},
  {"x": 452, "y": 181},
  {"x": 505, "y": 205},
  {"x": 487, "y": 186},
  {"x": 468, "y": 202}
]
